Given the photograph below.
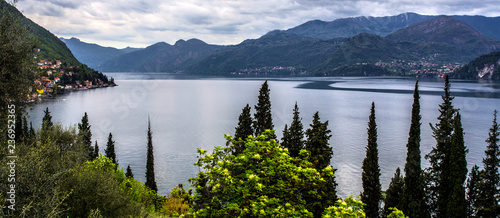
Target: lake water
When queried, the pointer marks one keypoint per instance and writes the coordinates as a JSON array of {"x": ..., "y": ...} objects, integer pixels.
[{"x": 189, "y": 112}]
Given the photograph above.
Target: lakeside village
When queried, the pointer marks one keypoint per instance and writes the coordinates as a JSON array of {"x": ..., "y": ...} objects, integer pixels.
[{"x": 58, "y": 78}]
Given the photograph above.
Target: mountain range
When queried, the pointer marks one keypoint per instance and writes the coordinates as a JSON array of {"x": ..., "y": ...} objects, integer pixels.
[
  {"x": 92, "y": 54},
  {"x": 343, "y": 47}
]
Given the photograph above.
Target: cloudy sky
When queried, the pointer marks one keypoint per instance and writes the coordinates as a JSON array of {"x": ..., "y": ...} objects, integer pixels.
[{"x": 139, "y": 23}]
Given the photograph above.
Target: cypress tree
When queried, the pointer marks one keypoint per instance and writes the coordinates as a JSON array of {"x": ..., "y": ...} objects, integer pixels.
[
  {"x": 244, "y": 129},
  {"x": 86, "y": 135},
  {"x": 453, "y": 194},
  {"x": 371, "y": 194},
  {"x": 32, "y": 134},
  {"x": 110, "y": 149},
  {"x": 394, "y": 193},
  {"x": 263, "y": 117},
  {"x": 129, "y": 173},
  {"x": 47, "y": 119},
  {"x": 442, "y": 134},
  {"x": 96, "y": 151},
  {"x": 26, "y": 131},
  {"x": 285, "y": 138},
  {"x": 18, "y": 129},
  {"x": 295, "y": 138},
  {"x": 317, "y": 143},
  {"x": 412, "y": 203},
  {"x": 490, "y": 178},
  {"x": 472, "y": 191},
  {"x": 150, "y": 164}
]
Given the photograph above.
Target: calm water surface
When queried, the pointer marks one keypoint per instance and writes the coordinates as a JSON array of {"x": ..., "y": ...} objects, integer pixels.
[{"x": 192, "y": 112}]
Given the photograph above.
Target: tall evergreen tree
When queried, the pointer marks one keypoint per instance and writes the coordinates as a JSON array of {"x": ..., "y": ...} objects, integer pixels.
[
  {"x": 472, "y": 191},
  {"x": 262, "y": 116},
  {"x": 295, "y": 137},
  {"x": 394, "y": 193},
  {"x": 372, "y": 193},
  {"x": 47, "y": 119},
  {"x": 489, "y": 184},
  {"x": 442, "y": 134},
  {"x": 317, "y": 143},
  {"x": 285, "y": 138},
  {"x": 129, "y": 173},
  {"x": 86, "y": 135},
  {"x": 453, "y": 176},
  {"x": 244, "y": 128},
  {"x": 95, "y": 154},
  {"x": 412, "y": 203},
  {"x": 150, "y": 164},
  {"x": 26, "y": 131},
  {"x": 18, "y": 129},
  {"x": 110, "y": 149}
]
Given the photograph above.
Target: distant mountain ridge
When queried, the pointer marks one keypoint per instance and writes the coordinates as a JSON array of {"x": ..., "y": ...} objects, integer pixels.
[
  {"x": 161, "y": 57},
  {"x": 383, "y": 26},
  {"x": 92, "y": 54},
  {"x": 309, "y": 49}
]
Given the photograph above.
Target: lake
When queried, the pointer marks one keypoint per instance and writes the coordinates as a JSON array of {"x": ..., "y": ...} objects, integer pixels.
[{"x": 189, "y": 112}]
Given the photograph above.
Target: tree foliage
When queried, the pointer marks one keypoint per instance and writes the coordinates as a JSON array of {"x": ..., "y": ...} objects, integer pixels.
[
  {"x": 472, "y": 191},
  {"x": 371, "y": 194},
  {"x": 263, "y": 117},
  {"x": 110, "y": 149},
  {"x": 244, "y": 128},
  {"x": 86, "y": 135},
  {"x": 442, "y": 131},
  {"x": 412, "y": 199},
  {"x": 150, "y": 164},
  {"x": 489, "y": 184},
  {"x": 394, "y": 193},
  {"x": 347, "y": 208},
  {"x": 294, "y": 137},
  {"x": 263, "y": 181}
]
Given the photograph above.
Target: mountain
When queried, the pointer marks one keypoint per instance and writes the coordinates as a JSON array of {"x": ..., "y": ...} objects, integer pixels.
[
  {"x": 161, "y": 57},
  {"x": 437, "y": 40},
  {"x": 452, "y": 39},
  {"x": 50, "y": 46},
  {"x": 286, "y": 52},
  {"x": 92, "y": 54},
  {"x": 485, "y": 66},
  {"x": 348, "y": 27},
  {"x": 383, "y": 26}
]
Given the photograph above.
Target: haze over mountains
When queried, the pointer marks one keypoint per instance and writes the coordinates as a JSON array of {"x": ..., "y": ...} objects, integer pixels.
[{"x": 336, "y": 48}]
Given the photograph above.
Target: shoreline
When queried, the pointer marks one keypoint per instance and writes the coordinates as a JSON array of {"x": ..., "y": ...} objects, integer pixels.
[{"x": 66, "y": 91}]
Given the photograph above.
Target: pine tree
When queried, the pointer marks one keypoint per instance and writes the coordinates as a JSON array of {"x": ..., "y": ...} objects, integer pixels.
[
  {"x": 150, "y": 164},
  {"x": 454, "y": 175},
  {"x": 442, "y": 134},
  {"x": 95, "y": 154},
  {"x": 86, "y": 135},
  {"x": 285, "y": 138},
  {"x": 32, "y": 134},
  {"x": 490, "y": 179},
  {"x": 129, "y": 173},
  {"x": 371, "y": 194},
  {"x": 263, "y": 117},
  {"x": 295, "y": 136},
  {"x": 26, "y": 131},
  {"x": 244, "y": 128},
  {"x": 472, "y": 191},
  {"x": 110, "y": 149},
  {"x": 317, "y": 143},
  {"x": 412, "y": 203},
  {"x": 394, "y": 193},
  {"x": 18, "y": 129},
  {"x": 47, "y": 119}
]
